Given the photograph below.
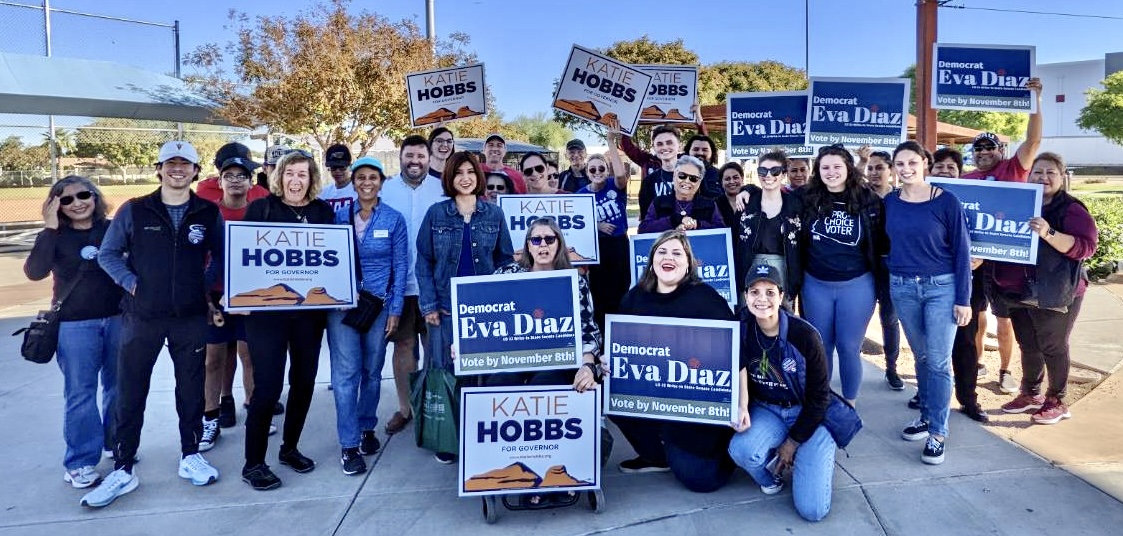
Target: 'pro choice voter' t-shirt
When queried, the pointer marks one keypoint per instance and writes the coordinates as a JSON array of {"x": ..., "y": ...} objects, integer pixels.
[{"x": 835, "y": 252}]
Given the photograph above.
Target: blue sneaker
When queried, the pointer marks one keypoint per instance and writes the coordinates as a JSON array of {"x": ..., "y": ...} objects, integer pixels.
[{"x": 116, "y": 484}]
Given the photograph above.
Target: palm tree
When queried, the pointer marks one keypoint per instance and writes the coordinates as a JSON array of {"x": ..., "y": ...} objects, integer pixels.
[{"x": 64, "y": 141}]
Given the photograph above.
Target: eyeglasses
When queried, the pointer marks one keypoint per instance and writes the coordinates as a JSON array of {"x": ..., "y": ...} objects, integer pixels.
[
  {"x": 598, "y": 169},
  {"x": 775, "y": 171},
  {"x": 688, "y": 177},
  {"x": 984, "y": 147},
  {"x": 498, "y": 187},
  {"x": 534, "y": 169},
  {"x": 68, "y": 199},
  {"x": 538, "y": 240},
  {"x": 444, "y": 141},
  {"x": 235, "y": 177}
]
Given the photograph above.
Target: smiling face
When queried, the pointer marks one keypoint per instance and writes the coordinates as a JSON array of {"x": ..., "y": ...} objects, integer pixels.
[
  {"x": 731, "y": 181},
  {"x": 833, "y": 172},
  {"x": 670, "y": 264},
  {"x": 1049, "y": 175},
  {"x": 552, "y": 177},
  {"x": 341, "y": 175},
  {"x": 945, "y": 168},
  {"x": 368, "y": 182},
  {"x": 536, "y": 174},
  {"x": 494, "y": 152},
  {"x": 295, "y": 181},
  {"x": 78, "y": 210},
  {"x": 496, "y": 186},
  {"x": 177, "y": 173},
  {"x": 443, "y": 146},
  {"x": 597, "y": 170},
  {"x": 879, "y": 173},
  {"x": 414, "y": 160},
  {"x": 987, "y": 155},
  {"x": 911, "y": 166},
  {"x": 465, "y": 181},
  {"x": 666, "y": 146},
  {"x": 769, "y": 180},
  {"x": 798, "y": 172},
  {"x": 576, "y": 158},
  {"x": 700, "y": 149},
  {"x": 687, "y": 181},
  {"x": 542, "y": 244},
  {"x": 763, "y": 299}
]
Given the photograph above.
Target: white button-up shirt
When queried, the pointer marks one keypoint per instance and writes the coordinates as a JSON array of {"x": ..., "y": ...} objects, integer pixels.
[{"x": 413, "y": 203}]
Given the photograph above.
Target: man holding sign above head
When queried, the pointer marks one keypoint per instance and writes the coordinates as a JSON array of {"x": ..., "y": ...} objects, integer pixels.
[
  {"x": 658, "y": 167},
  {"x": 991, "y": 162},
  {"x": 495, "y": 151}
]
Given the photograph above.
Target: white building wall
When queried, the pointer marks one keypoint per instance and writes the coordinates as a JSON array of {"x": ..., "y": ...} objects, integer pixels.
[{"x": 1068, "y": 82}]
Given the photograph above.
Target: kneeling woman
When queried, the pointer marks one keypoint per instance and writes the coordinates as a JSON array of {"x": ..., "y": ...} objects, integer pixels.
[
  {"x": 784, "y": 373},
  {"x": 695, "y": 453}
]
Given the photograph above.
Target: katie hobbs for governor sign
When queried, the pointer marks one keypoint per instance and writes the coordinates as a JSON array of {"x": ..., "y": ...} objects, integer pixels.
[
  {"x": 673, "y": 368},
  {"x": 858, "y": 111},
  {"x": 760, "y": 122},
  {"x": 998, "y": 215},
  {"x": 446, "y": 94},
  {"x": 983, "y": 77},
  {"x": 600, "y": 89},
  {"x": 516, "y": 322}
]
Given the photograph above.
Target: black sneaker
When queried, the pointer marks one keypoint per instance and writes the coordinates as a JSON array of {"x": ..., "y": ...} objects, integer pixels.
[
  {"x": 370, "y": 444},
  {"x": 976, "y": 413},
  {"x": 278, "y": 409},
  {"x": 933, "y": 451},
  {"x": 260, "y": 477},
  {"x": 353, "y": 463},
  {"x": 914, "y": 402},
  {"x": 894, "y": 380},
  {"x": 640, "y": 465},
  {"x": 445, "y": 458},
  {"x": 915, "y": 431},
  {"x": 226, "y": 413},
  {"x": 299, "y": 462}
]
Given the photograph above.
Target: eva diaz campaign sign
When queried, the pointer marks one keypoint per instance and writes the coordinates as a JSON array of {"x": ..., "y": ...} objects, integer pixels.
[
  {"x": 712, "y": 247},
  {"x": 990, "y": 78},
  {"x": 443, "y": 95},
  {"x": 857, "y": 111},
  {"x": 998, "y": 215},
  {"x": 529, "y": 440},
  {"x": 675, "y": 369},
  {"x": 516, "y": 322},
  {"x": 756, "y": 123},
  {"x": 575, "y": 214},
  {"x": 600, "y": 89},
  {"x": 673, "y": 91},
  {"x": 278, "y": 266}
]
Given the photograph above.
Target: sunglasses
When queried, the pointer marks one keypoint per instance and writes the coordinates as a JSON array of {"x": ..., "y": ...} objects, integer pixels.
[
  {"x": 598, "y": 169},
  {"x": 984, "y": 147},
  {"x": 68, "y": 199},
  {"x": 837, "y": 146},
  {"x": 499, "y": 187},
  {"x": 775, "y": 171},
  {"x": 552, "y": 176},
  {"x": 534, "y": 169},
  {"x": 232, "y": 177},
  {"x": 688, "y": 177},
  {"x": 538, "y": 240}
]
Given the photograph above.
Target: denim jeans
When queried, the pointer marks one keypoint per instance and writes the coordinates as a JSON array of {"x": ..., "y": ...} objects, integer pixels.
[
  {"x": 813, "y": 465},
  {"x": 87, "y": 349},
  {"x": 356, "y": 375},
  {"x": 890, "y": 324},
  {"x": 925, "y": 306},
  {"x": 841, "y": 310}
]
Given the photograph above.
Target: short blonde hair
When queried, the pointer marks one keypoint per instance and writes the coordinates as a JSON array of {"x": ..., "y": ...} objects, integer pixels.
[{"x": 295, "y": 157}]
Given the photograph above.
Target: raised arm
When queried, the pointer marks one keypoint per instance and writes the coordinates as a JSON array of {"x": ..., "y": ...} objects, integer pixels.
[{"x": 1028, "y": 149}]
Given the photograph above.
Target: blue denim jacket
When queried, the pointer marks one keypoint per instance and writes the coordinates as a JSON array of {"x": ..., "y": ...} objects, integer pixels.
[
  {"x": 438, "y": 249},
  {"x": 383, "y": 253}
]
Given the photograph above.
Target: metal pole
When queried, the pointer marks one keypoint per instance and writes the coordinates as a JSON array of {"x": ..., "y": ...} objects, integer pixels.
[
  {"x": 431, "y": 26},
  {"x": 807, "y": 37},
  {"x": 926, "y": 12},
  {"x": 51, "y": 139},
  {"x": 175, "y": 46}
]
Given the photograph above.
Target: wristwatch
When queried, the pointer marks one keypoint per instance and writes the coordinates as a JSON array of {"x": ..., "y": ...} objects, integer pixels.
[
  {"x": 598, "y": 372},
  {"x": 1052, "y": 232}
]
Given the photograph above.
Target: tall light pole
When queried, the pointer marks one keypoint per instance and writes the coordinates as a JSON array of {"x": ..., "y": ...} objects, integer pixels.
[
  {"x": 807, "y": 37},
  {"x": 431, "y": 26}
]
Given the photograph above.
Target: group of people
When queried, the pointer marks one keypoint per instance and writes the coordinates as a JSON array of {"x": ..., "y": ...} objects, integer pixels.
[{"x": 820, "y": 236}]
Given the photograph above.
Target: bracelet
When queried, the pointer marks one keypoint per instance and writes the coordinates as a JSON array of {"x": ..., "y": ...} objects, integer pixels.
[{"x": 598, "y": 373}]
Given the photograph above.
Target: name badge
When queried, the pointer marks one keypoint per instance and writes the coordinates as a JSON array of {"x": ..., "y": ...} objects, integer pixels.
[{"x": 380, "y": 233}]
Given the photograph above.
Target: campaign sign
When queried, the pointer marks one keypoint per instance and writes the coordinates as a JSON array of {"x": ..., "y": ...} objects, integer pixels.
[
  {"x": 712, "y": 247},
  {"x": 674, "y": 369},
  {"x": 998, "y": 215},
  {"x": 516, "y": 322},
  {"x": 756, "y": 123},
  {"x": 673, "y": 91},
  {"x": 858, "y": 111},
  {"x": 443, "y": 95},
  {"x": 600, "y": 89},
  {"x": 529, "y": 440},
  {"x": 575, "y": 214},
  {"x": 279, "y": 266},
  {"x": 989, "y": 78}
]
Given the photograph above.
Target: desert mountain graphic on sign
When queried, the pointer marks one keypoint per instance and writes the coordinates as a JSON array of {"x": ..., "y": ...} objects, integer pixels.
[
  {"x": 282, "y": 295},
  {"x": 580, "y": 108},
  {"x": 674, "y": 114},
  {"x": 574, "y": 256},
  {"x": 652, "y": 112},
  {"x": 519, "y": 476},
  {"x": 465, "y": 111},
  {"x": 609, "y": 119},
  {"x": 436, "y": 116}
]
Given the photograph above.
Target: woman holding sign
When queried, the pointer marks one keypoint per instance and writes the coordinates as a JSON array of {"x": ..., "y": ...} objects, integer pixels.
[
  {"x": 930, "y": 284},
  {"x": 683, "y": 209},
  {"x": 1046, "y": 298},
  {"x": 608, "y": 182},
  {"x": 695, "y": 453},
  {"x": 784, "y": 374},
  {"x": 460, "y": 236}
]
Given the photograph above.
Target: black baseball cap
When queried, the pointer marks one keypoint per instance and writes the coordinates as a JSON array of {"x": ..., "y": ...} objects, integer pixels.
[
  {"x": 338, "y": 155},
  {"x": 763, "y": 272},
  {"x": 575, "y": 144},
  {"x": 234, "y": 150},
  {"x": 237, "y": 161},
  {"x": 494, "y": 136},
  {"x": 986, "y": 137}
]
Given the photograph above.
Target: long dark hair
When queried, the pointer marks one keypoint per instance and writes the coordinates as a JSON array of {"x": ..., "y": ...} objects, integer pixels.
[
  {"x": 649, "y": 282},
  {"x": 101, "y": 208},
  {"x": 561, "y": 259},
  {"x": 818, "y": 199},
  {"x": 453, "y": 163}
]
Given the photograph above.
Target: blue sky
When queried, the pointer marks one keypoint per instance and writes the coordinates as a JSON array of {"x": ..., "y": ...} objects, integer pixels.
[{"x": 524, "y": 43}]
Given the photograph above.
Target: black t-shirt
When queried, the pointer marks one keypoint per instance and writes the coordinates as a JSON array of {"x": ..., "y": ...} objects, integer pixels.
[
  {"x": 761, "y": 357},
  {"x": 66, "y": 253},
  {"x": 770, "y": 240},
  {"x": 836, "y": 251},
  {"x": 273, "y": 209}
]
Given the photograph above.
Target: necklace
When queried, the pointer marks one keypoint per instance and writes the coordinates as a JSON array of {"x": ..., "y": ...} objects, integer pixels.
[
  {"x": 681, "y": 207},
  {"x": 299, "y": 215},
  {"x": 763, "y": 366}
]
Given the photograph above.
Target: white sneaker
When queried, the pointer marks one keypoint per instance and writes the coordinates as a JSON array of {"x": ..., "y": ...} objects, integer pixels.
[
  {"x": 211, "y": 432},
  {"x": 116, "y": 484},
  {"x": 1007, "y": 384},
  {"x": 272, "y": 428},
  {"x": 82, "y": 477},
  {"x": 196, "y": 469},
  {"x": 773, "y": 489}
]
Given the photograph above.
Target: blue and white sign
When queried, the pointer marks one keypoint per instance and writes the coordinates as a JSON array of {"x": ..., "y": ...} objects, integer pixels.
[
  {"x": 575, "y": 214},
  {"x": 989, "y": 78},
  {"x": 998, "y": 215},
  {"x": 516, "y": 322},
  {"x": 712, "y": 247},
  {"x": 858, "y": 111},
  {"x": 756, "y": 123},
  {"x": 674, "y": 369}
]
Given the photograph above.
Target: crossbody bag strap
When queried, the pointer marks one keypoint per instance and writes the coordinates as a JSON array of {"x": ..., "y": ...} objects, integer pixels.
[{"x": 96, "y": 236}]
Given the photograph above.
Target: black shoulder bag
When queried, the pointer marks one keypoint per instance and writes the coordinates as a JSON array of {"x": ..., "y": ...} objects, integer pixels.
[
  {"x": 362, "y": 317},
  {"x": 40, "y": 339}
]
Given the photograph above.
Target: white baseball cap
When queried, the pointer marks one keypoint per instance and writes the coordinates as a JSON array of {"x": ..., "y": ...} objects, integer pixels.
[{"x": 178, "y": 149}]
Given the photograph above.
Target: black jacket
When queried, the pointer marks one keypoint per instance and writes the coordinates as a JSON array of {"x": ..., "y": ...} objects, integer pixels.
[
  {"x": 70, "y": 253},
  {"x": 791, "y": 228}
]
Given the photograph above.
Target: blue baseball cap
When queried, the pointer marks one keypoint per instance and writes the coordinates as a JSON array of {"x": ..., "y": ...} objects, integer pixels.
[{"x": 368, "y": 161}]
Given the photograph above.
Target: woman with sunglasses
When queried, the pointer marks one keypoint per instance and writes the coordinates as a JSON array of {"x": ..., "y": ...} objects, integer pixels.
[
  {"x": 844, "y": 239},
  {"x": 536, "y": 173},
  {"x": 277, "y": 338},
  {"x": 770, "y": 227},
  {"x": 683, "y": 209},
  {"x": 74, "y": 223},
  {"x": 460, "y": 236},
  {"x": 608, "y": 182},
  {"x": 498, "y": 183}
]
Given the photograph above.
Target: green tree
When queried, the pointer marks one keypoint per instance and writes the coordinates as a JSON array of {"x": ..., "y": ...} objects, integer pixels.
[
  {"x": 1009, "y": 124},
  {"x": 1104, "y": 112},
  {"x": 539, "y": 130},
  {"x": 123, "y": 142},
  {"x": 64, "y": 141},
  {"x": 326, "y": 72},
  {"x": 16, "y": 160}
]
